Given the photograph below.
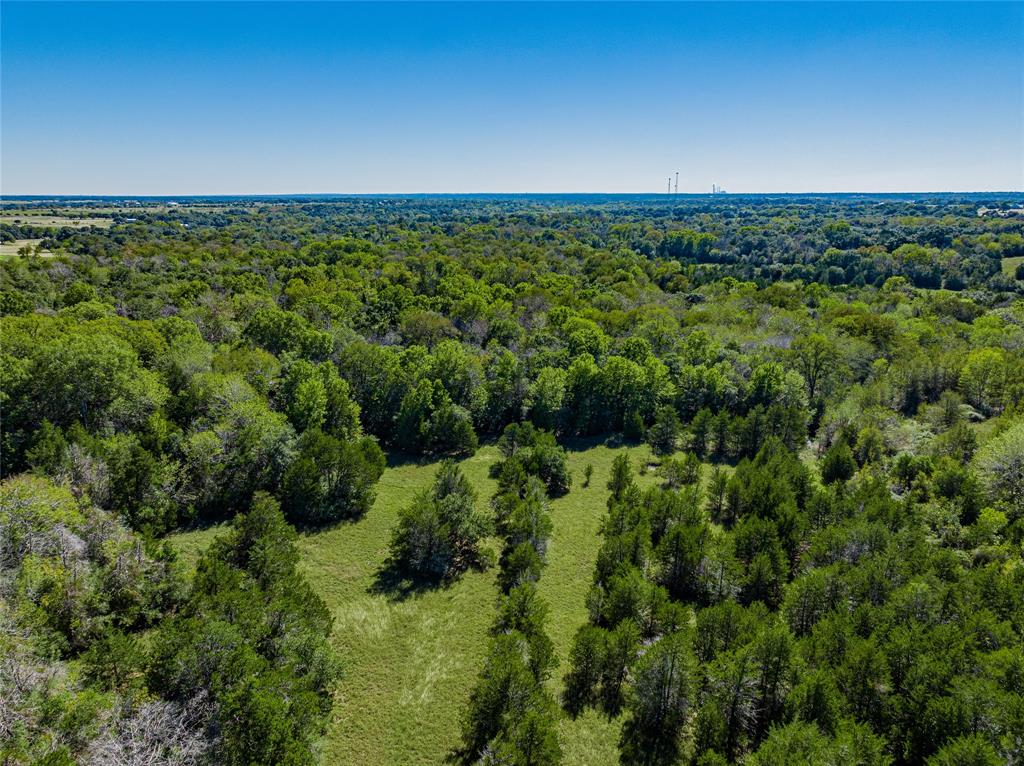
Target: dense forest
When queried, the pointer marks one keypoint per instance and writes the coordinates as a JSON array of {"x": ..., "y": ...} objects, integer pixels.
[{"x": 828, "y": 569}]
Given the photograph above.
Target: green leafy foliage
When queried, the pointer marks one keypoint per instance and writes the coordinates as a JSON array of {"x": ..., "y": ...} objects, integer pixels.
[{"x": 330, "y": 480}]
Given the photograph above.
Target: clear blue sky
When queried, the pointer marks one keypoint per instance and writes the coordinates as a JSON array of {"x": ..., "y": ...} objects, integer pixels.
[{"x": 204, "y": 98}]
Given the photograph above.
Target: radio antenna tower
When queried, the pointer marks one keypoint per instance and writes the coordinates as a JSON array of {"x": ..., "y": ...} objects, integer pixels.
[{"x": 677, "y": 182}]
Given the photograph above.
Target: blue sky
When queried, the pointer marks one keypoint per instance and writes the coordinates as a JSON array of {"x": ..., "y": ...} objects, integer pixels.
[{"x": 208, "y": 98}]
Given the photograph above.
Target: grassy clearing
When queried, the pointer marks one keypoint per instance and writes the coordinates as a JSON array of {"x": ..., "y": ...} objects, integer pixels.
[
  {"x": 1010, "y": 265},
  {"x": 190, "y": 545},
  {"x": 12, "y": 248},
  {"x": 411, "y": 661},
  {"x": 590, "y": 740},
  {"x": 23, "y": 218}
]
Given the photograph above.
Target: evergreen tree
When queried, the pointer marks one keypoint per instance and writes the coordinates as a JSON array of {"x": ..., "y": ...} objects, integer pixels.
[{"x": 660, "y": 700}]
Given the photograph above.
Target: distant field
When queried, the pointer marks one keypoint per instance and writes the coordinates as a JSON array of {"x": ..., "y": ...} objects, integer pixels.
[
  {"x": 12, "y": 248},
  {"x": 1010, "y": 265},
  {"x": 24, "y": 218},
  {"x": 77, "y": 211},
  {"x": 411, "y": 663}
]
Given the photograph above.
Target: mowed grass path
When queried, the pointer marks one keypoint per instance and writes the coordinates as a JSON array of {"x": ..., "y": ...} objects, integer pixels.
[{"x": 411, "y": 662}]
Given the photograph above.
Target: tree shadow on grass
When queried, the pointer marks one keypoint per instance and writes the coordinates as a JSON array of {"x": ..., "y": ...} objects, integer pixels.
[
  {"x": 397, "y": 459},
  {"x": 312, "y": 528},
  {"x": 584, "y": 443},
  {"x": 396, "y": 583}
]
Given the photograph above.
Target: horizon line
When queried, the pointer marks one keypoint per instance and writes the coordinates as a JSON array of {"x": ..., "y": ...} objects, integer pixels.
[{"x": 199, "y": 195}]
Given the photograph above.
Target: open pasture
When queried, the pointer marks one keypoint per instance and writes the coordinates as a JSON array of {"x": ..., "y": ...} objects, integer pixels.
[
  {"x": 65, "y": 219},
  {"x": 15, "y": 248},
  {"x": 411, "y": 659}
]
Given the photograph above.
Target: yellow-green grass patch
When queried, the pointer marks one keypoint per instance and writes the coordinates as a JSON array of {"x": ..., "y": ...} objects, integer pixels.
[
  {"x": 16, "y": 248},
  {"x": 1010, "y": 265}
]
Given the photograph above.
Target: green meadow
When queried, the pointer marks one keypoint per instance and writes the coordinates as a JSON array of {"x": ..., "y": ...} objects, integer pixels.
[{"x": 411, "y": 659}]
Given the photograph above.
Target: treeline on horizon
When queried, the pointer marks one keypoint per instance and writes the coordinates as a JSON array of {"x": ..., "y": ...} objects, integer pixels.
[{"x": 845, "y": 584}]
